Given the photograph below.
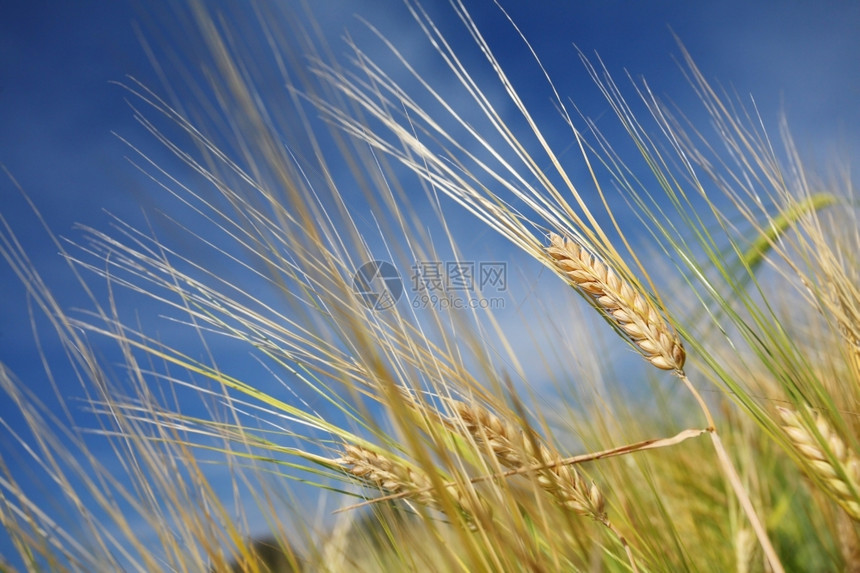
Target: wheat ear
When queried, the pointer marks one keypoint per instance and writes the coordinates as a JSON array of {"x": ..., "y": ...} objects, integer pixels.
[
  {"x": 514, "y": 449},
  {"x": 837, "y": 467},
  {"x": 624, "y": 305},
  {"x": 395, "y": 477},
  {"x": 635, "y": 316}
]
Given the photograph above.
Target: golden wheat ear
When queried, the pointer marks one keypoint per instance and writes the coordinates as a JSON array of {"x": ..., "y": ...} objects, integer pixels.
[
  {"x": 395, "y": 477},
  {"x": 623, "y": 304},
  {"x": 838, "y": 468},
  {"x": 515, "y": 449}
]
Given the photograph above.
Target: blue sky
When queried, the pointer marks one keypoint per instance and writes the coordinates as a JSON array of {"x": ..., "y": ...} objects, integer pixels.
[{"x": 59, "y": 110}]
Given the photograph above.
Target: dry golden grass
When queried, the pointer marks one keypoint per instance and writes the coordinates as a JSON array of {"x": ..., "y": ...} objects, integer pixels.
[{"x": 502, "y": 495}]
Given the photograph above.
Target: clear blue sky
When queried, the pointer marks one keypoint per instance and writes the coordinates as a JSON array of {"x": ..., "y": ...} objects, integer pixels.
[{"x": 58, "y": 109}]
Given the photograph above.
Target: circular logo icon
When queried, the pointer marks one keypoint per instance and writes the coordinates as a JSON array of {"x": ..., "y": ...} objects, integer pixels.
[{"x": 378, "y": 285}]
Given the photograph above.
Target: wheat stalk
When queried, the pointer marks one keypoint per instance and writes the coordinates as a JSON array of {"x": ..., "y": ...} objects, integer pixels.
[
  {"x": 837, "y": 467},
  {"x": 745, "y": 550},
  {"x": 624, "y": 305}
]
